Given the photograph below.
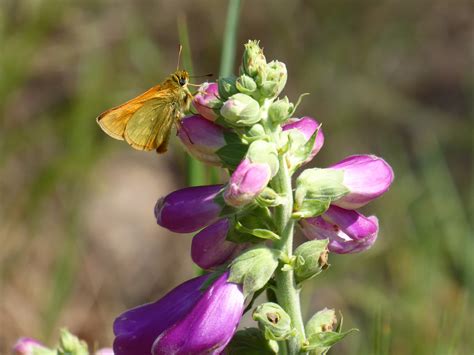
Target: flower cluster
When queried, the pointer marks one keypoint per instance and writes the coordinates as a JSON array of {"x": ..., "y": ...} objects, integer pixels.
[{"x": 241, "y": 125}]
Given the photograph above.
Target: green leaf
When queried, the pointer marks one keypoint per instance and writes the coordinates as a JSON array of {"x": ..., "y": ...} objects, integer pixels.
[
  {"x": 254, "y": 268},
  {"x": 249, "y": 341},
  {"x": 232, "y": 154}
]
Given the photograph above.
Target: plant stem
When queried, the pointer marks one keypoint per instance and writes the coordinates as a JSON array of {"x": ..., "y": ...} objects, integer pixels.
[{"x": 286, "y": 290}]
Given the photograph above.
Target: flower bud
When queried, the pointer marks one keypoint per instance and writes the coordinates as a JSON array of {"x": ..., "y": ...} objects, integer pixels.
[
  {"x": 71, "y": 344},
  {"x": 202, "y": 138},
  {"x": 210, "y": 247},
  {"x": 253, "y": 61},
  {"x": 323, "y": 321},
  {"x": 256, "y": 130},
  {"x": 241, "y": 110},
  {"x": 246, "y": 85},
  {"x": 30, "y": 346},
  {"x": 188, "y": 320},
  {"x": 207, "y": 102},
  {"x": 305, "y": 126},
  {"x": 311, "y": 259},
  {"x": 280, "y": 110},
  {"x": 366, "y": 177},
  {"x": 275, "y": 80},
  {"x": 226, "y": 87},
  {"x": 189, "y": 209},
  {"x": 348, "y": 231},
  {"x": 246, "y": 183},
  {"x": 104, "y": 351},
  {"x": 274, "y": 321}
]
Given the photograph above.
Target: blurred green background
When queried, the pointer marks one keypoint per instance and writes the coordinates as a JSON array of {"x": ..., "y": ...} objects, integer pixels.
[{"x": 79, "y": 243}]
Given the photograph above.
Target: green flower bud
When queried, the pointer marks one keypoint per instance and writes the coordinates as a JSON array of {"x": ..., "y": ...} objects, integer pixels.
[
  {"x": 71, "y": 344},
  {"x": 264, "y": 152},
  {"x": 226, "y": 87},
  {"x": 245, "y": 84},
  {"x": 241, "y": 110},
  {"x": 280, "y": 110},
  {"x": 253, "y": 61},
  {"x": 323, "y": 321},
  {"x": 311, "y": 259},
  {"x": 275, "y": 79},
  {"x": 273, "y": 321}
]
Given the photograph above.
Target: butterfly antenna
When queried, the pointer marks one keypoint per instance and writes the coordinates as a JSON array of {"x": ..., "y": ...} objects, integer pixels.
[{"x": 179, "y": 55}]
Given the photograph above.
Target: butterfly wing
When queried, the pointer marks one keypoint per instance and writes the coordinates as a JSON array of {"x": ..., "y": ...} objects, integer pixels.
[
  {"x": 149, "y": 127},
  {"x": 114, "y": 121}
]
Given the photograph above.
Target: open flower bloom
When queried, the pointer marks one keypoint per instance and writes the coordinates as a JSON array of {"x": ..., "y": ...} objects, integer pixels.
[
  {"x": 210, "y": 247},
  {"x": 247, "y": 182},
  {"x": 366, "y": 176},
  {"x": 306, "y": 126},
  {"x": 189, "y": 209},
  {"x": 206, "y": 101},
  {"x": 185, "y": 321},
  {"x": 202, "y": 138},
  {"x": 348, "y": 231}
]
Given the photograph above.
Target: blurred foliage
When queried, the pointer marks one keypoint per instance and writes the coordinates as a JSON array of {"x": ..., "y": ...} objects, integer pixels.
[{"x": 393, "y": 78}]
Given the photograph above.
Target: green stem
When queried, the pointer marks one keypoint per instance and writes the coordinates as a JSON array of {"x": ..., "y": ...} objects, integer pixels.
[{"x": 286, "y": 291}]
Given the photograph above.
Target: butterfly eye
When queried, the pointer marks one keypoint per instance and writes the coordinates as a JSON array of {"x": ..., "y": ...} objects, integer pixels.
[{"x": 182, "y": 81}]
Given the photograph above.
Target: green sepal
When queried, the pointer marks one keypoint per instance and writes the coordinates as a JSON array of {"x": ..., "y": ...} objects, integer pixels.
[
  {"x": 249, "y": 341},
  {"x": 302, "y": 152},
  {"x": 212, "y": 277},
  {"x": 254, "y": 268},
  {"x": 298, "y": 102},
  {"x": 269, "y": 198},
  {"x": 257, "y": 232},
  {"x": 311, "y": 259},
  {"x": 311, "y": 208},
  {"x": 318, "y": 343},
  {"x": 232, "y": 154}
]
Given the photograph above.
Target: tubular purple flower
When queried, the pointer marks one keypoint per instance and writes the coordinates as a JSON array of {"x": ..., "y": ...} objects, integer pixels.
[
  {"x": 247, "y": 182},
  {"x": 348, "y": 231},
  {"x": 185, "y": 321},
  {"x": 189, "y": 209},
  {"x": 210, "y": 247},
  {"x": 366, "y": 176},
  {"x": 206, "y": 100},
  {"x": 202, "y": 138},
  {"x": 307, "y": 126},
  {"x": 27, "y": 346}
]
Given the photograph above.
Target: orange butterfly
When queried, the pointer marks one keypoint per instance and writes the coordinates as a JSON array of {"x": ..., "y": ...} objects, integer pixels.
[{"x": 145, "y": 122}]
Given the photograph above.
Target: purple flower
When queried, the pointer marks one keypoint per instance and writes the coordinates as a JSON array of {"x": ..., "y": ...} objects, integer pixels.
[
  {"x": 348, "y": 231},
  {"x": 26, "y": 346},
  {"x": 247, "y": 182},
  {"x": 210, "y": 247},
  {"x": 185, "y": 321},
  {"x": 189, "y": 209},
  {"x": 206, "y": 100},
  {"x": 366, "y": 176},
  {"x": 202, "y": 138},
  {"x": 307, "y": 126}
]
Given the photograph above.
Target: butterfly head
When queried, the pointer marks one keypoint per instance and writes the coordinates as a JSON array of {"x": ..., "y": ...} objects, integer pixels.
[{"x": 180, "y": 77}]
